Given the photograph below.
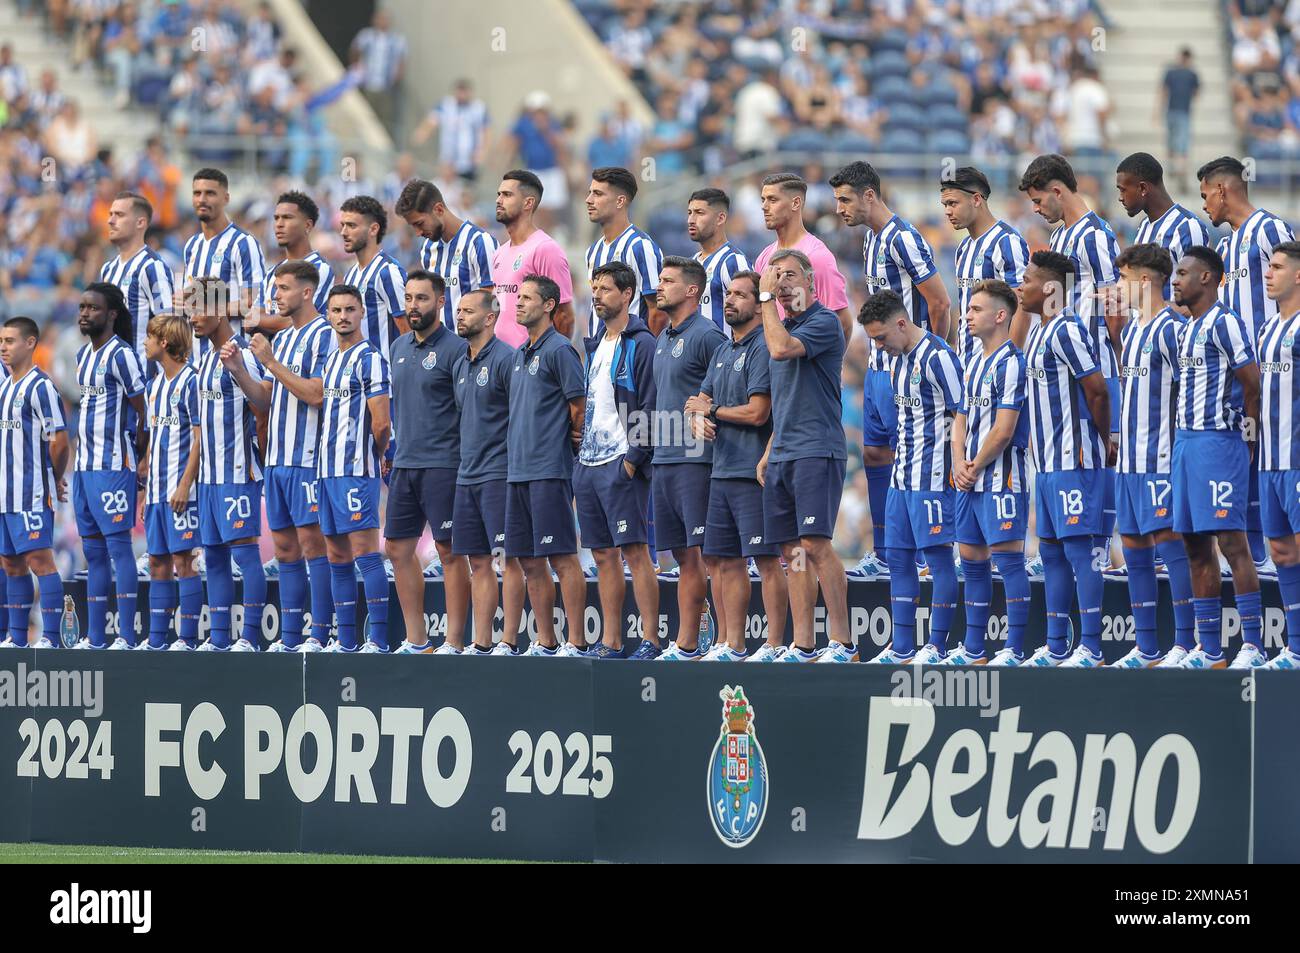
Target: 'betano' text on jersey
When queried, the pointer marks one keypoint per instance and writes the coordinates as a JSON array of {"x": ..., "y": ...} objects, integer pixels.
[
  {"x": 173, "y": 408},
  {"x": 293, "y": 425},
  {"x": 927, "y": 391},
  {"x": 325, "y": 281},
  {"x": 719, "y": 267},
  {"x": 352, "y": 377},
  {"x": 639, "y": 252},
  {"x": 1148, "y": 373},
  {"x": 229, "y": 452},
  {"x": 31, "y": 413},
  {"x": 897, "y": 258},
  {"x": 235, "y": 257},
  {"x": 107, "y": 378},
  {"x": 997, "y": 382},
  {"x": 1091, "y": 245},
  {"x": 1279, "y": 403},
  {"x": 1210, "y": 351},
  {"x": 464, "y": 262},
  {"x": 146, "y": 285},
  {"x": 1058, "y": 354},
  {"x": 1176, "y": 230},
  {"x": 382, "y": 284},
  {"x": 1001, "y": 253},
  {"x": 1245, "y": 256}
]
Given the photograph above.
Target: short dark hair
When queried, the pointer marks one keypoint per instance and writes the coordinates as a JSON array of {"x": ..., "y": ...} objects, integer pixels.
[
  {"x": 618, "y": 177},
  {"x": 1149, "y": 255},
  {"x": 967, "y": 179},
  {"x": 546, "y": 287},
  {"x": 25, "y": 325},
  {"x": 997, "y": 288},
  {"x": 1144, "y": 167},
  {"x": 305, "y": 204},
  {"x": 1222, "y": 166},
  {"x": 139, "y": 205},
  {"x": 368, "y": 206},
  {"x": 753, "y": 276},
  {"x": 1047, "y": 169},
  {"x": 716, "y": 198},
  {"x": 528, "y": 181},
  {"x": 880, "y": 307},
  {"x": 303, "y": 271},
  {"x": 691, "y": 270},
  {"x": 624, "y": 278},
  {"x": 1062, "y": 266},
  {"x": 859, "y": 176},
  {"x": 115, "y": 301},
  {"x": 418, "y": 195},
  {"x": 342, "y": 289},
  {"x": 788, "y": 181},
  {"x": 211, "y": 174},
  {"x": 1208, "y": 257},
  {"x": 421, "y": 274},
  {"x": 1290, "y": 249}
]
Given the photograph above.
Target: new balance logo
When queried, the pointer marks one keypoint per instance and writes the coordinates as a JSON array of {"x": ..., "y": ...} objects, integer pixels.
[
  {"x": 500, "y": 538},
  {"x": 622, "y": 526},
  {"x": 446, "y": 524},
  {"x": 698, "y": 531},
  {"x": 547, "y": 540},
  {"x": 809, "y": 520},
  {"x": 756, "y": 540}
]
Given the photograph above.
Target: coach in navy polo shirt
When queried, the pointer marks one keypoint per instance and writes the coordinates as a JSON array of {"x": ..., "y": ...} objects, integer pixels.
[
  {"x": 422, "y": 488},
  {"x": 803, "y": 470},
  {"x": 548, "y": 403}
]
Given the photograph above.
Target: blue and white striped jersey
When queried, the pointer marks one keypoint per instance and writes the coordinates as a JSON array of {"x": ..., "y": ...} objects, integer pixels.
[
  {"x": 352, "y": 377},
  {"x": 1091, "y": 245},
  {"x": 1062, "y": 435},
  {"x": 1000, "y": 253},
  {"x": 293, "y": 425},
  {"x": 173, "y": 407},
  {"x": 720, "y": 266},
  {"x": 108, "y": 379},
  {"x": 1211, "y": 348},
  {"x": 1279, "y": 402},
  {"x": 461, "y": 127},
  {"x": 1176, "y": 230},
  {"x": 146, "y": 284},
  {"x": 639, "y": 252},
  {"x": 229, "y": 452},
  {"x": 382, "y": 284},
  {"x": 1245, "y": 254},
  {"x": 996, "y": 382},
  {"x": 323, "y": 287},
  {"x": 31, "y": 413},
  {"x": 464, "y": 262},
  {"x": 897, "y": 259},
  {"x": 234, "y": 256},
  {"x": 1148, "y": 373},
  {"x": 927, "y": 391}
]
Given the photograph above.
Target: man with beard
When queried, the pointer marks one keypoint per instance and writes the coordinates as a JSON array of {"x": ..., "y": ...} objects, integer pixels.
[
  {"x": 376, "y": 275},
  {"x": 530, "y": 251},
  {"x": 295, "y": 218},
  {"x": 1140, "y": 181},
  {"x": 706, "y": 224},
  {"x": 138, "y": 271},
  {"x": 454, "y": 248}
]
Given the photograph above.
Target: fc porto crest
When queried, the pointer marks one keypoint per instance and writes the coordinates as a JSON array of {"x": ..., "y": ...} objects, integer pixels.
[
  {"x": 482, "y": 378},
  {"x": 737, "y": 773},
  {"x": 175, "y": 399},
  {"x": 519, "y": 260},
  {"x": 979, "y": 261},
  {"x": 1288, "y": 340},
  {"x": 1201, "y": 337},
  {"x": 740, "y": 362},
  {"x": 535, "y": 363},
  {"x": 430, "y": 361},
  {"x": 916, "y": 378},
  {"x": 679, "y": 347}
]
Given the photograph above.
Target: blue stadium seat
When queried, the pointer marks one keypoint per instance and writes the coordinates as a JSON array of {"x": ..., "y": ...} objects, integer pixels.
[
  {"x": 907, "y": 116},
  {"x": 894, "y": 40},
  {"x": 948, "y": 142},
  {"x": 803, "y": 140},
  {"x": 889, "y": 63},
  {"x": 901, "y": 141},
  {"x": 893, "y": 89},
  {"x": 945, "y": 116},
  {"x": 849, "y": 142}
]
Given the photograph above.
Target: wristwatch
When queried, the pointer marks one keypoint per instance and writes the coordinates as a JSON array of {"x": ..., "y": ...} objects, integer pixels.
[
  {"x": 765, "y": 296},
  {"x": 713, "y": 412}
]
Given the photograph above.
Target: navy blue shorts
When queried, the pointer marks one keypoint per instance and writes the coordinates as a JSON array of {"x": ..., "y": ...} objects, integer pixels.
[
  {"x": 479, "y": 523},
  {"x": 167, "y": 532},
  {"x": 1211, "y": 478},
  {"x": 103, "y": 501},
  {"x": 879, "y": 412},
  {"x": 539, "y": 519},
  {"x": 26, "y": 533},
  {"x": 681, "y": 495},
  {"x": 229, "y": 512},
  {"x": 1144, "y": 503},
  {"x": 348, "y": 504},
  {"x": 802, "y": 498},
  {"x": 734, "y": 526},
  {"x": 987, "y": 517},
  {"x": 417, "y": 497},
  {"x": 918, "y": 519},
  {"x": 611, "y": 504},
  {"x": 1279, "y": 502},
  {"x": 1069, "y": 503},
  {"x": 292, "y": 497}
]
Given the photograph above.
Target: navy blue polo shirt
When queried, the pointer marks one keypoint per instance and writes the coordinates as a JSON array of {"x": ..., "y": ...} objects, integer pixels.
[
  {"x": 426, "y": 423},
  {"x": 482, "y": 386},
  {"x": 682, "y": 356},
  {"x": 806, "y": 404},
  {"x": 738, "y": 371},
  {"x": 544, "y": 377}
]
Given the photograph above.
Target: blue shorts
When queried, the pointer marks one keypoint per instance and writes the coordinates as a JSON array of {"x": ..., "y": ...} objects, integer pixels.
[
  {"x": 1144, "y": 503},
  {"x": 103, "y": 501},
  {"x": 879, "y": 412},
  {"x": 292, "y": 497},
  {"x": 1279, "y": 502},
  {"x": 348, "y": 503},
  {"x": 539, "y": 519},
  {"x": 417, "y": 497},
  {"x": 918, "y": 519},
  {"x": 26, "y": 533},
  {"x": 480, "y": 518},
  {"x": 802, "y": 498},
  {"x": 1069, "y": 503},
  {"x": 986, "y": 517},
  {"x": 229, "y": 512},
  {"x": 681, "y": 494},
  {"x": 167, "y": 532},
  {"x": 734, "y": 525},
  {"x": 1211, "y": 479},
  {"x": 612, "y": 505}
]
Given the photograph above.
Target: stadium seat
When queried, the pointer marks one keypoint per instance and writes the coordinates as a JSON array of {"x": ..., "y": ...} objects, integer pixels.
[
  {"x": 945, "y": 116},
  {"x": 893, "y": 89},
  {"x": 948, "y": 142},
  {"x": 901, "y": 141},
  {"x": 894, "y": 40},
  {"x": 889, "y": 64},
  {"x": 907, "y": 116}
]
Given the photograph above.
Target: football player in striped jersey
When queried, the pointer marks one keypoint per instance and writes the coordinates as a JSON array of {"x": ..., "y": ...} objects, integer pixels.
[
  {"x": 608, "y": 199},
  {"x": 453, "y": 248},
  {"x": 377, "y": 275},
  {"x": 294, "y": 217},
  {"x": 138, "y": 270},
  {"x": 706, "y": 224},
  {"x": 1140, "y": 181}
]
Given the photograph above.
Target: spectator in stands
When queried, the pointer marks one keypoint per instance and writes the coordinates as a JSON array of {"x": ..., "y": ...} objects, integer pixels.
[
  {"x": 463, "y": 127},
  {"x": 381, "y": 53},
  {"x": 1177, "y": 92},
  {"x": 607, "y": 148},
  {"x": 671, "y": 138},
  {"x": 759, "y": 108},
  {"x": 1088, "y": 113},
  {"x": 13, "y": 78},
  {"x": 629, "y": 42},
  {"x": 536, "y": 138},
  {"x": 70, "y": 139}
]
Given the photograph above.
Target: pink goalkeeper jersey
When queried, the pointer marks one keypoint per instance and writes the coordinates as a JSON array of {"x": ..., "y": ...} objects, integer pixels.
[
  {"x": 538, "y": 254},
  {"x": 828, "y": 282}
]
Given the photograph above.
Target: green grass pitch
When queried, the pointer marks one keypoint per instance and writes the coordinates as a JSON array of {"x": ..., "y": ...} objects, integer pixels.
[{"x": 91, "y": 854}]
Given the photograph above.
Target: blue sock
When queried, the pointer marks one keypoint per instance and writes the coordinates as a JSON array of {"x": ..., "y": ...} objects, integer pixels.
[
  {"x": 249, "y": 560},
  {"x": 1174, "y": 555},
  {"x": 979, "y": 593},
  {"x": 293, "y": 601},
  {"x": 1258, "y": 551},
  {"x": 128, "y": 585},
  {"x": 943, "y": 595},
  {"x": 22, "y": 593},
  {"x": 1288, "y": 581},
  {"x": 221, "y": 593},
  {"x": 877, "y": 493},
  {"x": 191, "y": 596},
  {"x": 1015, "y": 584},
  {"x": 375, "y": 582},
  {"x": 99, "y": 583},
  {"x": 51, "y": 605},
  {"x": 904, "y": 590},
  {"x": 1143, "y": 594},
  {"x": 322, "y": 599},
  {"x": 1250, "y": 608},
  {"x": 1090, "y": 585},
  {"x": 1209, "y": 625},
  {"x": 1058, "y": 590},
  {"x": 163, "y": 596},
  {"x": 343, "y": 580}
]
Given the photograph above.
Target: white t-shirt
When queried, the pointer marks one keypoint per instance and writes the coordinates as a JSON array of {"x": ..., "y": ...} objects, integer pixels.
[
  {"x": 1088, "y": 100},
  {"x": 603, "y": 436}
]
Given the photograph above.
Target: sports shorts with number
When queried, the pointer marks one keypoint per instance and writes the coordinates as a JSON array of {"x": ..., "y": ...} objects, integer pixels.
[
  {"x": 167, "y": 532},
  {"x": 1069, "y": 503},
  {"x": 1211, "y": 481},
  {"x": 348, "y": 503},
  {"x": 26, "y": 532},
  {"x": 229, "y": 512},
  {"x": 104, "y": 501}
]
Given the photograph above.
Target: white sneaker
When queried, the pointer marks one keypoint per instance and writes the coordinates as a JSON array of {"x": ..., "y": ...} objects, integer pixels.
[
  {"x": 44, "y": 643},
  {"x": 569, "y": 650},
  {"x": 310, "y": 645},
  {"x": 143, "y": 646},
  {"x": 767, "y": 653},
  {"x": 1174, "y": 658},
  {"x": 82, "y": 644},
  {"x": 1005, "y": 658},
  {"x": 1266, "y": 569},
  {"x": 724, "y": 653},
  {"x": 1082, "y": 657},
  {"x": 406, "y": 648},
  {"x": 336, "y": 648},
  {"x": 676, "y": 654},
  {"x": 928, "y": 654},
  {"x": 502, "y": 649},
  {"x": 837, "y": 652},
  {"x": 180, "y": 645},
  {"x": 1197, "y": 658},
  {"x": 537, "y": 650},
  {"x": 1249, "y": 657},
  {"x": 1042, "y": 658},
  {"x": 1034, "y": 566},
  {"x": 278, "y": 646},
  {"x": 1135, "y": 659},
  {"x": 120, "y": 644},
  {"x": 8, "y": 643},
  {"x": 1224, "y": 569},
  {"x": 210, "y": 646},
  {"x": 372, "y": 648},
  {"x": 446, "y": 649},
  {"x": 242, "y": 645},
  {"x": 1284, "y": 661},
  {"x": 870, "y": 566},
  {"x": 889, "y": 657}
]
